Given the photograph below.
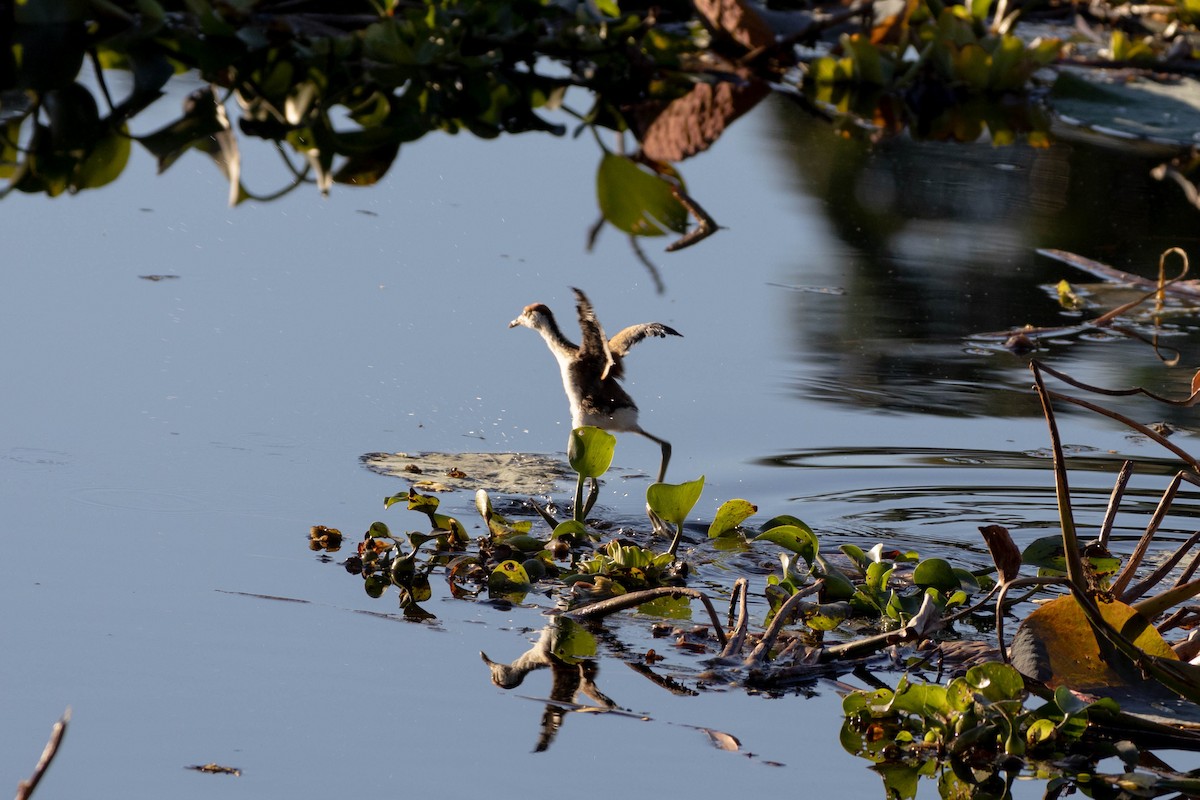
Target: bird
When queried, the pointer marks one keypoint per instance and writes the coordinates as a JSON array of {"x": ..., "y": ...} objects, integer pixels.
[{"x": 591, "y": 370}]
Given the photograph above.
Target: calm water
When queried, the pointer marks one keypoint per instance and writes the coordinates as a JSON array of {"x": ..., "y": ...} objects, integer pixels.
[{"x": 166, "y": 445}]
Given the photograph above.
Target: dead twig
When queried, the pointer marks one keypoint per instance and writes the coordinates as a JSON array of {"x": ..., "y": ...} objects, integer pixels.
[{"x": 25, "y": 788}]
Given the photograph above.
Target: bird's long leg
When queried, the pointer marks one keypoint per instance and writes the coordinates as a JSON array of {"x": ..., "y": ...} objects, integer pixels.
[
  {"x": 660, "y": 527},
  {"x": 666, "y": 453}
]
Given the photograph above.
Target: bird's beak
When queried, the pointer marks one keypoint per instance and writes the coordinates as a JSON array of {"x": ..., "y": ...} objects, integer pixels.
[{"x": 514, "y": 323}]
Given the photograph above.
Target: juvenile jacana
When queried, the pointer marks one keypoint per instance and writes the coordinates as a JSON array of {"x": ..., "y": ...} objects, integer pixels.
[{"x": 590, "y": 370}]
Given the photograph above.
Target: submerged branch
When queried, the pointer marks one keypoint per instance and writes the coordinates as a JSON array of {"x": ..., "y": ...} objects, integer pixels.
[{"x": 603, "y": 608}]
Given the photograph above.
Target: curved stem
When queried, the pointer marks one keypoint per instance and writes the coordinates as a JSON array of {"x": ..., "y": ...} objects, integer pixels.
[{"x": 602, "y": 609}]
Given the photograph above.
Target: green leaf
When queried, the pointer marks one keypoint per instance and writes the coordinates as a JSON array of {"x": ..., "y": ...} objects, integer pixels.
[
  {"x": 570, "y": 528},
  {"x": 508, "y": 576},
  {"x": 1048, "y": 553},
  {"x": 856, "y": 554},
  {"x": 996, "y": 681},
  {"x": 837, "y": 585},
  {"x": 936, "y": 572},
  {"x": 798, "y": 538},
  {"x": 1040, "y": 731},
  {"x": 923, "y": 699},
  {"x": 572, "y": 642},
  {"x": 673, "y": 501},
  {"x": 590, "y": 451},
  {"x": 869, "y": 65},
  {"x": 730, "y": 515},
  {"x": 638, "y": 202},
  {"x": 782, "y": 519},
  {"x": 524, "y": 543},
  {"x": 826, "y": 616},
  {"x": 424, "y": 503},
  {"x": 104, "y": 163}
]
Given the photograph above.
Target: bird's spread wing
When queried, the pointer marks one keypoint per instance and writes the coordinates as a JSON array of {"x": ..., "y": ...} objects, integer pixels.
[
  {"x": 594, "y": 350},
  {"x": 620, "y": 344}
]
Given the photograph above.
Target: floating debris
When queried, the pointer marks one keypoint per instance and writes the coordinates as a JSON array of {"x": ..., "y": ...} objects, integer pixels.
[{"x": 502, "y": 473}]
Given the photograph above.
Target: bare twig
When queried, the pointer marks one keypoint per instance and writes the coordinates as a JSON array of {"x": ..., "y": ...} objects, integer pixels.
[
  {"x": 1149, "y": 433},
  {"x": 1114, "y": 502},
  {"x": 1187, "y": 402},
  {"x": 782, "y": 617},
  {"x": 1153, "y": 579},
  {"x": 1062, "y": 489},
  {"x": 1160, "y": 513},
  {"x": 738, "y": 636},
  {"x": 25, "y": 788}
]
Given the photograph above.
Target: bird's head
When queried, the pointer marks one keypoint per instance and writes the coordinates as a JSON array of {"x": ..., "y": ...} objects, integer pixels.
[{"x": 536, "y": 316}]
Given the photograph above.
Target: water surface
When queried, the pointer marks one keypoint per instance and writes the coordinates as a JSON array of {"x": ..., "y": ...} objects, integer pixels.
[{"x": 166, "y": 444}]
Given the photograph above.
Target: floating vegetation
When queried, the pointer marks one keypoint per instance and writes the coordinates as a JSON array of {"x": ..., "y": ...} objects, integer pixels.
[{"x": 1088, "y": 674}]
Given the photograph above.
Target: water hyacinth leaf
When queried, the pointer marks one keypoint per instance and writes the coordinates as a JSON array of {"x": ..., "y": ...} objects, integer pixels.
[
  {"x": 972, "y": 65},
  {"x": 1067, "y": 702},
  {"x": 798, "y": 538},
  {"x": 996, "y": 681},
  {"x": 674, "y": 501},
  {"x": 524, "y": 543},
  {"x": 966, "y": 579},
  {"x": 1040, "y": 731},
  {"x": 869, "y": 65},
  {"x": 106, "y": 160},
  {"x": 378, "y": 530},
  {"x": 923, "y": 699},
  {"x": 668, "y": 607},
  {"x": 419, "y": 589},
  {"x": 416, "y": 539},
  {"x": 452, "y": 526},
  {"x": 730, "y": 515},
  {"x": 826, "y": 616},
  {"x": 936, "y": 572},
  {"x": 534, "y": 567},
  {"x": 426, "y": 504},
  {"x": 508, "y": 576},
  {"x": 572, "y": 642},
  {"x": 1048, "y": 553},
  {"x": 1010, "y": 67},
  {"x": 635, "y": 201},
  {"x": 856, "y": 554},
  {"x": 837, "y": 585},
  {"x": 590, "y": 451},
  {"x": 899, "y": 780},
  {"x": 782, "y": 519},
  {"x": 375, "y": 585},
  {"x": 877, "y": 576},
  {"x": 570, "y": 528}
]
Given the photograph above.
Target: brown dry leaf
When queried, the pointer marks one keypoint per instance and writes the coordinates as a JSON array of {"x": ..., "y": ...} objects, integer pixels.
[
  {"x": 1004, "y": 550},
  {"x": 1196, "y": 382},
  {"x": 737, "y": 19},
  {"x": 690, "y": 124}
]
